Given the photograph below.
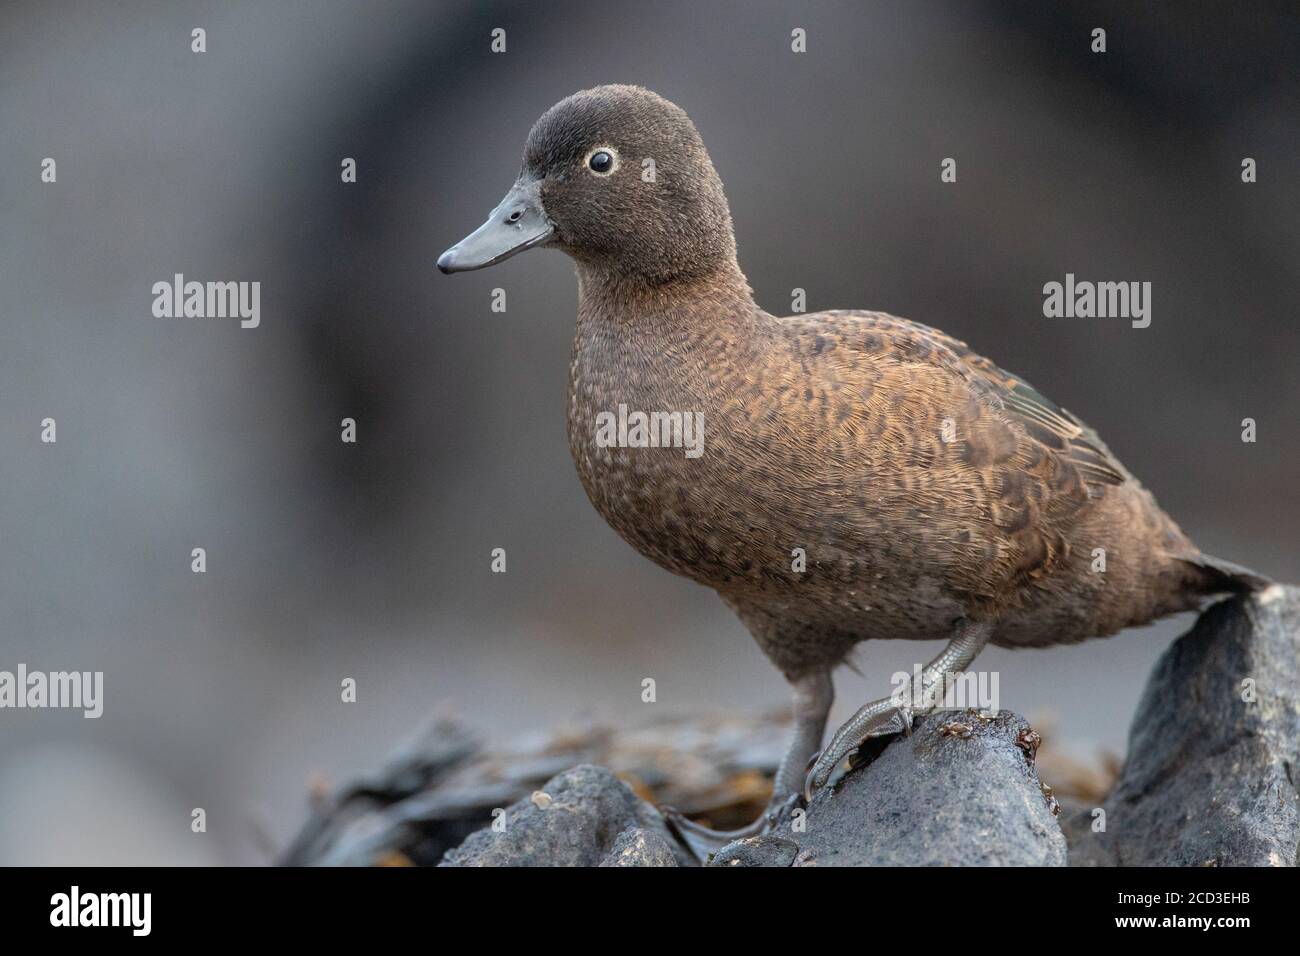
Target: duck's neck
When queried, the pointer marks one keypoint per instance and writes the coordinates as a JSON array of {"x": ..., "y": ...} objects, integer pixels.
[
  {"x": 718, "y": 298},
  {"x": 668, "y": 346}
]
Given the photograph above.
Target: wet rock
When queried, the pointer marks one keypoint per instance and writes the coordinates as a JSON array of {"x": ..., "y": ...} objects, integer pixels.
[
  {"x": 961, "y": 791},
  {"x": 1211, "y": 774},
  {"x": 577, "y": 819}
]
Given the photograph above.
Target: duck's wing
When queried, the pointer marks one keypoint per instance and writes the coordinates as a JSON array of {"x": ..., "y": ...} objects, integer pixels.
[
  {"x": 1056, "y": 429},
  {"x": 1030, "y": 469},
  {"x": 1048, "y": 422}
]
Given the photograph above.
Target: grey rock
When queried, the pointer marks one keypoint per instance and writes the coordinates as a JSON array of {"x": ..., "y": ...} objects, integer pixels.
[
  {"x": 1210, "y": 779},
  {"x": 637, "y": 846},
  {"x": 574, "y": 820},
  {"x": 764, "y": 850},
  {"x": 961, "y": 791}
]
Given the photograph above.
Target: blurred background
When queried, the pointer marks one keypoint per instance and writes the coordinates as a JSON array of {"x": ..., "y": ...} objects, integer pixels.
[{"x": 328, "y": 560}]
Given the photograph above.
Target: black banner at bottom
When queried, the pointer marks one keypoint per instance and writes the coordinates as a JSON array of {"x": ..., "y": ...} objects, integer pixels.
[{"x": 212, "y": 905}]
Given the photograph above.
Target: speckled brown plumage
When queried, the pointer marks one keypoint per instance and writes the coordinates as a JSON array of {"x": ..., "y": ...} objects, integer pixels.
[
  {"x": 826, "y": 432},
  {"x": 931, "y": 491}
]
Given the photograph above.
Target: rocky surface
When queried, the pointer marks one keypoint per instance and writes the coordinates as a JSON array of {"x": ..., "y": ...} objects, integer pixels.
[
  {"x": 1214, "y": 751},
  {"x": 961, "y": 791},
  {"x": 1210, "y": 779},
  {"x": 583, "y": 817},
  {"x": 766, "y": 850},
  {"x": 638, "y": 846},
  {"x": 441, "y": 785}
]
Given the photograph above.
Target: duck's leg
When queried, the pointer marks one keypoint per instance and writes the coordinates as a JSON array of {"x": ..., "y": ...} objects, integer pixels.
[
  {"x": 893, "y": 715},
  {"x": 813, "y": 694}
]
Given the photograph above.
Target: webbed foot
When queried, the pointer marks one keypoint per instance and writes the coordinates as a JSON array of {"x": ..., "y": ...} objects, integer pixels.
[{"x": 703, "y": 841}]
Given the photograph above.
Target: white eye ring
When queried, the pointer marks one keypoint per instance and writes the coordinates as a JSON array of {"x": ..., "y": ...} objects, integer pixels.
[{"x": 613, "y": 166}]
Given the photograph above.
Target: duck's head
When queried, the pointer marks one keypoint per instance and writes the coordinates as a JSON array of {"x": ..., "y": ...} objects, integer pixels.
[{"x": 617, "y": 177}]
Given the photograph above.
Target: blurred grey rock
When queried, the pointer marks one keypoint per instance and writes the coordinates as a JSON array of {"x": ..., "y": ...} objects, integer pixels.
[
  {"x": 765, "y": 850},
  {"x": 961, "y": 791},
  {"x": 400, "y": 814},
  {"x": 637, "y": 846},
  {"x": 440, "y": 785},
  {"x": 574, "y": 820},
  {"x": 1210, "y": 779}
]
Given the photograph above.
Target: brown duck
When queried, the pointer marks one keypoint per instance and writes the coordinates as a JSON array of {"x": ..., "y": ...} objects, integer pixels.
[{"x": 859, "y": 476}]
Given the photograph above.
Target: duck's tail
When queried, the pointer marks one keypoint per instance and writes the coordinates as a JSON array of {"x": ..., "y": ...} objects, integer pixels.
[{"x": 1211, "y": 575}]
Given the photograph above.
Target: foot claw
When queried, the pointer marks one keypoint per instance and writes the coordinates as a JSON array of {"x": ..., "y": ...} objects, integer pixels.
[
  {"x": 776, "y": 812},
  {"x": 808, "y": 788},
  {"x": 880, "y": 718}
]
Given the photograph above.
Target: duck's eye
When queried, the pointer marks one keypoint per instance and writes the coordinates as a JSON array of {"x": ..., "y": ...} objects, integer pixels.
[{"x": 601, "y": 161}]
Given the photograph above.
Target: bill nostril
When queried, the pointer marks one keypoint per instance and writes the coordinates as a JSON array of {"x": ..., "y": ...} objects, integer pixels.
[{"x": 515, "y": 216}]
